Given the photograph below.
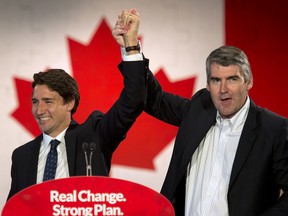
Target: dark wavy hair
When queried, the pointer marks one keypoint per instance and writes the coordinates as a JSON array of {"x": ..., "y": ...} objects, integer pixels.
[{"x": 60, "y": 81}]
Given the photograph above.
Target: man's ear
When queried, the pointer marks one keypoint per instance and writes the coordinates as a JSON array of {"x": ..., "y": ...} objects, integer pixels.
[
  {"x": 70, "y": 105},
  {"x": 250, "y": 84},
  {"x": 207, "y": 86}
]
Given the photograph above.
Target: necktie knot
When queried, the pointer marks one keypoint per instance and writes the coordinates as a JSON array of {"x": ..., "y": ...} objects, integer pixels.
[{"x": 54, "y": 143}]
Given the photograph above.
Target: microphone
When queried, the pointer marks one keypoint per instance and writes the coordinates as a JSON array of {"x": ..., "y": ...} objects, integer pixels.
[
  {"x": 85, "y": 147},
  {"x": 91, "y": 148}
]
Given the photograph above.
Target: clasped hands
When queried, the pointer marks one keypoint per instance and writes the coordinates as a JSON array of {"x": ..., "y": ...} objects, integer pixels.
[{"x": 126, "y": 28}]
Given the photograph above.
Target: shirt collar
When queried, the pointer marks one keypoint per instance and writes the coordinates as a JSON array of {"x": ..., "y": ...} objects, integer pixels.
[{"x": 47, "y": 138}]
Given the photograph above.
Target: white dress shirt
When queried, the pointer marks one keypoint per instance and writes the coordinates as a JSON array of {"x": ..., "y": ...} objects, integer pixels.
[
  {"x": 62, "y": 170},
  {"x": 209, "y": 171}
]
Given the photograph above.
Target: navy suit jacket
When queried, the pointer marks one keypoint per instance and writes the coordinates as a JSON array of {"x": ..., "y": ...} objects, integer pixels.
[
  {"x": 105, "y": 130},
  {"x": 260, "y": 168}
]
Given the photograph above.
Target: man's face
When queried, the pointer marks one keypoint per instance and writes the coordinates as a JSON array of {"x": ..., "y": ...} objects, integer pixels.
[
  {"x": 228, "y": 89},
  {"x": 50, "y": 111}
]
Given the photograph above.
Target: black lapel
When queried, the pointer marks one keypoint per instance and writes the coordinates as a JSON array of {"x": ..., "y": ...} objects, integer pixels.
[
  {"x": 33, "y": 156},
  {"x": 246, "y": 142},
  {"x": 196, "y": 127},
  {"x": 70, "y": 142}
]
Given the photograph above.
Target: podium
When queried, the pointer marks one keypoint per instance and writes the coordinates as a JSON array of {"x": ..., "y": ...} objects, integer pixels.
[{"x": 89, "y": 196}]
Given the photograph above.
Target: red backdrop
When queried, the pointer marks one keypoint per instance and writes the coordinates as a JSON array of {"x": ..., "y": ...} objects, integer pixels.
[{"x": 260, "y": 29}]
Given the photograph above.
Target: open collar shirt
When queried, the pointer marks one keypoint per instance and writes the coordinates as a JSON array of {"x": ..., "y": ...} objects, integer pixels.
[{"x": 209, "y": 171}]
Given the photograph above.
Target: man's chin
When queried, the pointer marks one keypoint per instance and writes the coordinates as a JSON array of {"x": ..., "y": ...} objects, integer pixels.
[{"x": 45, "y": 130}]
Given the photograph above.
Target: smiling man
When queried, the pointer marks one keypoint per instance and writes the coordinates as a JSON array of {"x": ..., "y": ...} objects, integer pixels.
[
  {"x": 230, "y": 156},
  {"x": 58, "y": 151}
]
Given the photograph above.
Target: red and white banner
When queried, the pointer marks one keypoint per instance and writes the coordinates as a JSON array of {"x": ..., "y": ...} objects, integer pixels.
[
  {"x": 176, "y": 36},
  {"x": 89, "y": 196}
]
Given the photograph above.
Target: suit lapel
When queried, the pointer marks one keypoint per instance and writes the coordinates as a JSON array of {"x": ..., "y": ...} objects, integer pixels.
[
  {"x": 70, "y": 142},
  {"x": 246, "y": 142},
  {"x": 195, "y": 136},
  {"x": 33, "y": 157},
  {"x": 196, "y": 127}
]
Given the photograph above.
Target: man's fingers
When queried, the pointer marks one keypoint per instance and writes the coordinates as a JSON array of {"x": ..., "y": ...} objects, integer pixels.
[
  {"x": 118, "y": 31},
  {"x": 134, "y": 11},
  {"x": 129, "y": 16}
]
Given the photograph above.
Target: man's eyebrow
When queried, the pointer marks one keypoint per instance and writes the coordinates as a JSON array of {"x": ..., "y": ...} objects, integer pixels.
[
  {"x": 233, "y": 76},
  {"x": 45, "y": 99},
  {"x": 229, "y": 77},
  {"x": 213, "y": 77}
]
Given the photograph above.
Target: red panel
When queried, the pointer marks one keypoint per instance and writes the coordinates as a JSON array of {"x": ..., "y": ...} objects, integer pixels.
[
  {"x": 260, "y": 29},
  {"x": 88, "y": 196}
]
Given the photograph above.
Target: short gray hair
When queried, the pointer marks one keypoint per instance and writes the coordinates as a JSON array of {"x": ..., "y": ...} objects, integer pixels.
[{"x": 226, "y": 56}]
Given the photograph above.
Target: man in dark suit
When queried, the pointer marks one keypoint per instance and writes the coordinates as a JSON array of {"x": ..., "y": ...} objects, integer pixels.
[
  {"x": 54, "y": 101},
  {"x": 230, "y": 156}
]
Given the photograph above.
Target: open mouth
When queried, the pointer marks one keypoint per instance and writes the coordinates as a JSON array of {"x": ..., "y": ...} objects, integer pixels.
[
  {"x": 43, "y": 119},
  {"x": 225, "y": 100}
]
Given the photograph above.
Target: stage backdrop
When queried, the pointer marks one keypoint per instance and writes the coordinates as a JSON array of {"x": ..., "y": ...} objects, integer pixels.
[{"x": 176, "y": 35}]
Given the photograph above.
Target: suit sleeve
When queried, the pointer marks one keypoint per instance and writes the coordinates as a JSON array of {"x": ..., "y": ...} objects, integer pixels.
[
  {"x": 162, "y": 105},
  {"x": 280, "y": 170},
  {"x": 130, "y": 104}
]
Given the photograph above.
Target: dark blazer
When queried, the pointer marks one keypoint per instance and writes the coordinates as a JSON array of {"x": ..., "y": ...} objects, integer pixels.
[
  {"x": 260, "y": 168},
  {"x": 105, "y": 130}
]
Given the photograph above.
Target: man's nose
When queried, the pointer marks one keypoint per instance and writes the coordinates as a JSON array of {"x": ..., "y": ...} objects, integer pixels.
[
  {"x": 40, "y": 109},
  {"x": 223, "y": 87}
]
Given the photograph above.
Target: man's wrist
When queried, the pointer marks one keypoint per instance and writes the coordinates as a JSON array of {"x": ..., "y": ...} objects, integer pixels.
[
  {"x": 132, "y": 55},
  {"x": 133, "y": 48}
]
